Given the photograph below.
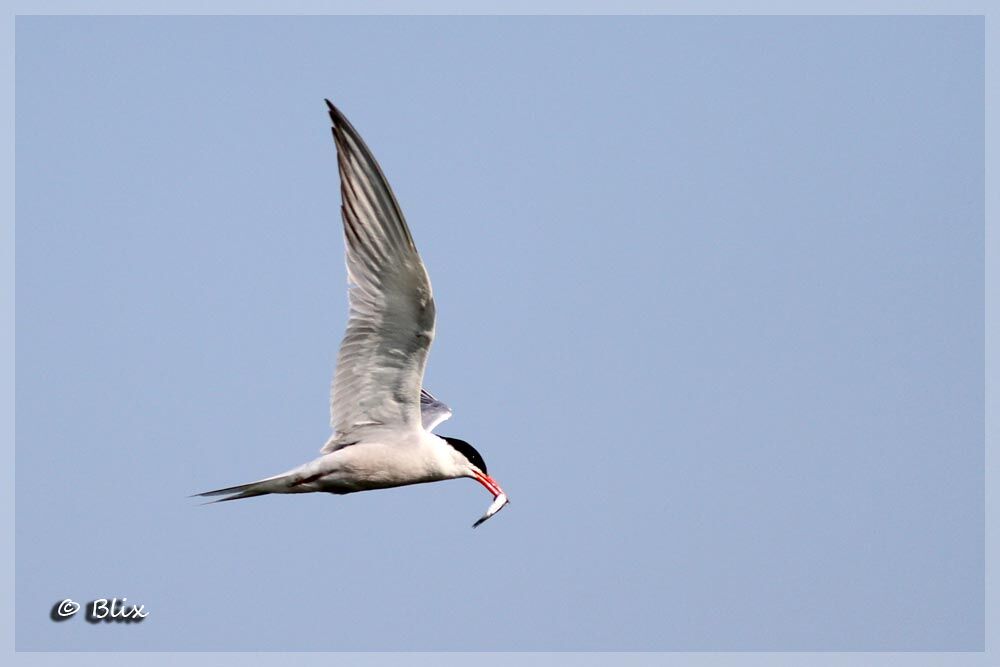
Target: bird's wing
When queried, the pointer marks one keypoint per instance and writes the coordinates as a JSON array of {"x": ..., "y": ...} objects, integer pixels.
[
  {"x": 391, "y": 325},
  {"x": 432, "y": 411}
]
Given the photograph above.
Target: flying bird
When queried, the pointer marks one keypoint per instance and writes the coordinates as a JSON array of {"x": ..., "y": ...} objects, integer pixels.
[{"x": 382, "y": 418}]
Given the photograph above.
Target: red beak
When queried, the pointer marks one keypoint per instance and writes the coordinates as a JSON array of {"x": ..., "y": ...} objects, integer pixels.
[{"x": 487, "y": 481}]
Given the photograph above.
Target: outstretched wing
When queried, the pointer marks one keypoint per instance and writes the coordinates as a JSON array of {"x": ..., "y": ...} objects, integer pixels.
[
  {"x": 382, "y": 357},
  {"x": 432, "y": 411}
]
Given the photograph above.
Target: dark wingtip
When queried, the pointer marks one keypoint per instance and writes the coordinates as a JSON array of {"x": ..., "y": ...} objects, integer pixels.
[{"x": 335, "y": 115}]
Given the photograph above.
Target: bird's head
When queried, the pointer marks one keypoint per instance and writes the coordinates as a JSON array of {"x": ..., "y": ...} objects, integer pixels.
[
  {"x": 475, "y": 467},
  {"x": 466, "y": 456}
]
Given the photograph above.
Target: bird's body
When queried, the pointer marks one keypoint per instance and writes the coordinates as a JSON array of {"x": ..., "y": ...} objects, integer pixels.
[
  {"x": 376, "y": 462},
  {"x": 381, "y": 417}
]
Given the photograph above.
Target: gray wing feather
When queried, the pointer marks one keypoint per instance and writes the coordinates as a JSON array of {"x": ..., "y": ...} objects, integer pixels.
[
  {"x": 432, "y": 411},
  {"x": 391, "y": 325}
]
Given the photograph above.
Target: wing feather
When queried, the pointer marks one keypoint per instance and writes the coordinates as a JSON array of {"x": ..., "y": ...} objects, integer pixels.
[
  {"x": 432, "y": 411},
  {"x": 382, "y": 357}
]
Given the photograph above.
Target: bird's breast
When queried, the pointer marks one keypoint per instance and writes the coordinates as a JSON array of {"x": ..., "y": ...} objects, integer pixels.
[{"x": 374, "y": 465}]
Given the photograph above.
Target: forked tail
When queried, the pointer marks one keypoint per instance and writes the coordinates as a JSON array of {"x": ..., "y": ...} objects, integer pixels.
[
  {"x": 232, "y": 493},
  {"x": 276, "y": 484}
]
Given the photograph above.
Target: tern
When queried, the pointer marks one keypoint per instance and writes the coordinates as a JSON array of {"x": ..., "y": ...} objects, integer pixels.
[{"x": 382, "y": 418}]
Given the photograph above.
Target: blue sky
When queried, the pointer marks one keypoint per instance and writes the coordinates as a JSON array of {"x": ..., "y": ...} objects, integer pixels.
[{"x": 709, "y": 303}]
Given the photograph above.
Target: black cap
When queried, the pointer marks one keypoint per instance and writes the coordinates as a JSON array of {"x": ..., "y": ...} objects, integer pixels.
[{"x": 468, "y": 451}]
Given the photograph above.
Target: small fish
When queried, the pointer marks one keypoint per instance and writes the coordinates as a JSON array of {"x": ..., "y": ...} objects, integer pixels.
[{"x": 497, "y": 505}]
